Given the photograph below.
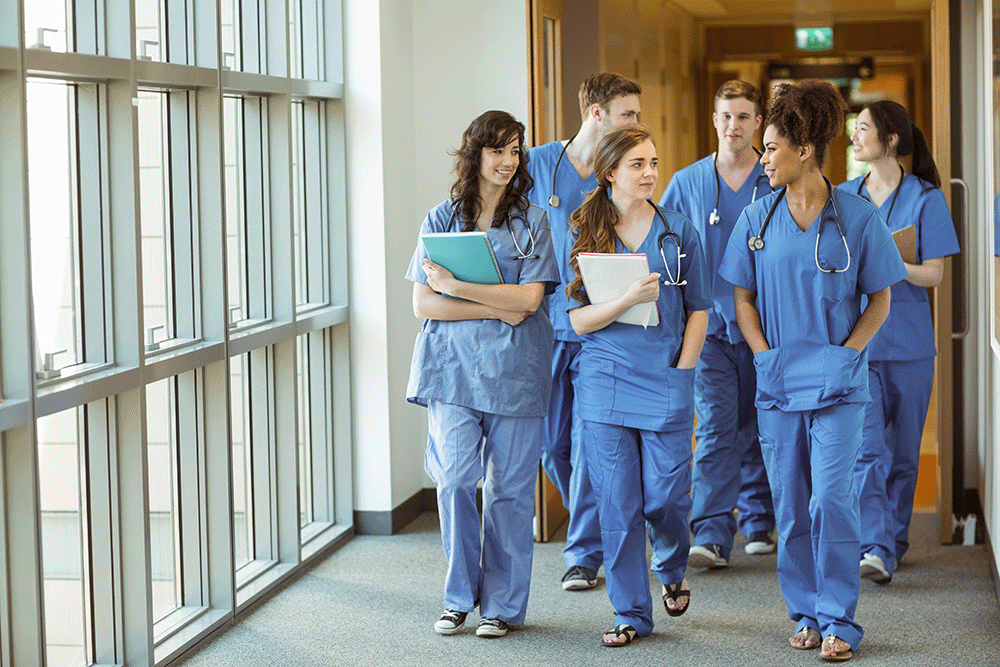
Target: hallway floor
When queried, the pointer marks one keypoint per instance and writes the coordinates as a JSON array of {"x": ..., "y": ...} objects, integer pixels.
[{"x": 375, "y": 600}]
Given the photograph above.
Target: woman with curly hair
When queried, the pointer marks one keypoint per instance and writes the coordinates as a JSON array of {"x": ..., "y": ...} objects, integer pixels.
[
  {"x": 800, "y": 260},
  {"x": 636, "y": 388},
  {"x": 481, "y": 367},
  {"x": 901, "y": 355}
]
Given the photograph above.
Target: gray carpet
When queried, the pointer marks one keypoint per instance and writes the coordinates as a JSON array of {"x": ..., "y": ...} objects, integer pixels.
[{"x": 374, "y": 602}]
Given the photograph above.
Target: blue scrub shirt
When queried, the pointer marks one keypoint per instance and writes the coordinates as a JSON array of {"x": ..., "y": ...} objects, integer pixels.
[
  {"x": 571, "y": 190},
  {"x": 488, "y": 365},
  {"x": 627, "y": 373},
  {"x": 691, "y": 192},
  {"x": 807, "y": 314},
  {"x": 908, "y": 332}
]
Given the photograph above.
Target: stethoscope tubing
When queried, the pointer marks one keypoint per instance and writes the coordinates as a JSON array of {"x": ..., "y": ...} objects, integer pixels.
[
  {"x": 530, "y": 254},
  {"x": 713, "y": 217}
]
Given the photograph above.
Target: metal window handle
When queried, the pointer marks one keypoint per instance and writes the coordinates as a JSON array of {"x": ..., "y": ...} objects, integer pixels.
[
  {"x": 966, "y": 269},
  {"x": 234, "y": 310},
  {"x": 151, "y": 343},
  {"x": 228, "y": 55},
  {"x": 40, "y": 39},
  {"x": 144, "y": 45},
  {"x": 49, "y": 369}
]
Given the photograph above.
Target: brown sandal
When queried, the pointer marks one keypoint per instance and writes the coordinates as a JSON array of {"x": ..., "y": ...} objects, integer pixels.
[
  {"x": 806, "y": 635},
  {"x": 830, "y": 651}
]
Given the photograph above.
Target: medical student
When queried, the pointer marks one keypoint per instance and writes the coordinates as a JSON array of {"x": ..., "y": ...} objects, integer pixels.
[
  {"x": 728, "y": 469},
  {"x": 800, "y": 260},
  {"x": 563, "y": 173},
  {"x": 480, "y": 366},
  {"x": 636, "y": 386},
  {"x": 901, "y": 355}
]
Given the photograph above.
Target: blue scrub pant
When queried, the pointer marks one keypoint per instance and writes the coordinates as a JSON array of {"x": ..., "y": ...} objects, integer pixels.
[
  {"x": 874, "y": 460},
  {"x": 642, "y": 479},
  {"x": 565, "y": 464},
  {"x": 905, "y": 396},
  {"x": 728, "y": 467},
  {"x": 810, "y": 458},
  {"x": 496, "y": 573}
]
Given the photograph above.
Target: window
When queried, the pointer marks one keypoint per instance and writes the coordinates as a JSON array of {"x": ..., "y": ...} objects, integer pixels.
[{"x": 309, "y": 217}]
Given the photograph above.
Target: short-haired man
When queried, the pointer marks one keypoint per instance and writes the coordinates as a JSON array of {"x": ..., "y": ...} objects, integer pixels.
[
  {"x": 713, "y": 192},
  {"x": 564, "y": 173}
]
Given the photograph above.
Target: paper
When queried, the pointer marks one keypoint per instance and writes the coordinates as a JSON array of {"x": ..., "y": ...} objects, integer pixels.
[
  {"x": 906, "y": 241},
  {"x": 607, "y": 276}
]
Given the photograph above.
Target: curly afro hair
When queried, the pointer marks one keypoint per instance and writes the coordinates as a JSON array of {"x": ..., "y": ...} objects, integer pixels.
[{"x": 808, "y": 112}]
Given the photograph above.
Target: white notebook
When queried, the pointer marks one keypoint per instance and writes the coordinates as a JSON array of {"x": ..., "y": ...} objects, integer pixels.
[{"x": 606, "y": 276}]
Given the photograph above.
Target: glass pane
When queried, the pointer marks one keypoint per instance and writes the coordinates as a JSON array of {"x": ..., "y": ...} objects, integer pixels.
[
  {"x": 55, "y": 230},
  {"x": 242, "y": 487},
  {"x": 45, "y": 24},
  {"x": 306, "y": 514},
  {"x": 298, "y": 205},
  {"x": 150, "y": 36},
  {"x": 161, "y": 463},
  {"x": 230, "y": 35},
  {"x": 155, "y": 215},
  {"x": 232, "y": 127},
  {"x": 295, "y": 39},
  {"x": 59, "y": 465},
  {"x": 854, "y": 167}
]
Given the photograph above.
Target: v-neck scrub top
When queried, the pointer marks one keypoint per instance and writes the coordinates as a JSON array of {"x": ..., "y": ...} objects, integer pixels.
[
  {"x": 691, "y": 192},
  {"x": 571, "y": 190},
  {"x": 488, "y": 365},
  {"x": 627, "y": 373},
  {"x": 807, "y": 314},
  {"x": 908, "y": 332}
]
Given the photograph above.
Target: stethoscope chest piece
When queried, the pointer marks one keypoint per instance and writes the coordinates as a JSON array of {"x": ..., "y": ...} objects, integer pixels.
[
  {"x": 713, "y": 218},
  {"x": 756, "y": 243},
  {"x": 554, "y": 201}
]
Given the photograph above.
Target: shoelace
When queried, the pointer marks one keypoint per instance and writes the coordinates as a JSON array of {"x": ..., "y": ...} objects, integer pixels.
[
  {"x": 577, "y": 571},
  {"x": 453, "y": 616}
]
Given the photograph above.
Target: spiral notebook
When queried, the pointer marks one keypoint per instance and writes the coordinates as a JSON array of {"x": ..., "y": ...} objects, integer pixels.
[
  {"x": 468, "y": 255},
  {"x": 606, "y": 276}
]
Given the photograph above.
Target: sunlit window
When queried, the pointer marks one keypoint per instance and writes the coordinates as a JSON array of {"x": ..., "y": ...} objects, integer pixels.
[
  {"x": 309, "y": 215},
  {"x": 45, "y": 25},
  {"x": 162, "y": 449},
  {"x": 854, "y": 168},
  {"x": 60, "y": 451},
  {"x": 305, "y": 431}
]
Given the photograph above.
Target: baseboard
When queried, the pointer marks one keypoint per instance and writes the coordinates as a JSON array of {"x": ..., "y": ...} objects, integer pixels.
[
  {"x": 993, "y": 562},
  {"x": 391, "y": 522}
]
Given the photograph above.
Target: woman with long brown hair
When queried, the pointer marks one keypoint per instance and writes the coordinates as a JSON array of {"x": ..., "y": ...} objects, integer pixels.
[
  {"x": 636, "y": 389},
  {"x": 481, "y": 368}
]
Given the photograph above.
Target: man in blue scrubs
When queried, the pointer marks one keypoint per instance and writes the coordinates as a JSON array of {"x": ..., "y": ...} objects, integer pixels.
[
  {"x": 712, "y": 193},
  {"x": 564, "y": 173}
]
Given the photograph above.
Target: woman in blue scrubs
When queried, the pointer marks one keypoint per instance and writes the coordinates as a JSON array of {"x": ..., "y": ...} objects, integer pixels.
[
  {"x": 481, "y": 367},
  {"x": 901, "y": 355},
  {"x": 636, "y": 389},
  {"x": 800, "y": 260}
]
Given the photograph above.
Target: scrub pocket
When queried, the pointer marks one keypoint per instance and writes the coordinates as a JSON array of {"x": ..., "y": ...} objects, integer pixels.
[
  {"x": 770, "y": 379},
  {"x": 845, "y": 373}
]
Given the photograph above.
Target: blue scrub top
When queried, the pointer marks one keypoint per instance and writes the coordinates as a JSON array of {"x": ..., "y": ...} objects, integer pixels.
[
  {"x": 692, "y": 192},
  {"x": 571, "y": 190},
  {"x": 627, "y": 375},
  {"x": 488, "y": 365},
  {"x": 908, "y": 332},
  {"x": 808, "y": 314}
]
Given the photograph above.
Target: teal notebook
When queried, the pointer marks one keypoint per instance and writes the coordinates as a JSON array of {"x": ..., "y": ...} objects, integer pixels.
[{"x": 468, "y": 255}]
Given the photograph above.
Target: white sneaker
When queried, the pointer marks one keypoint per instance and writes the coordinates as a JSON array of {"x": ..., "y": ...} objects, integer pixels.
[
  {"x": 450, "y": 622},
  {"x": 759, "y": 543},
  {"x": 492, "y": 627},
  {"x": 873, "y": 567},
  {"x": 707, "y": 555}
]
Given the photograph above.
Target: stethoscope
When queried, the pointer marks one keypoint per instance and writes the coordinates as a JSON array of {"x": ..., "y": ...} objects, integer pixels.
[
  {"x": 864, "y": 182},
  {"x": 714, "y": 217},
  {"x": 668, "y": 233},
  {"x": 554, "y": 198},
  {"x": 757, "y": 242},
  {"x": 521, "y": 254}
]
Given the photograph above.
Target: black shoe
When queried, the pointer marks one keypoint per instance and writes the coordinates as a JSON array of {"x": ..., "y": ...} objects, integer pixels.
[
  {"x": 450, "y": 622},
  {"x": 579, "y": 578},
  {"x": 707, "y": 555},
  {"x": 759, "y": 542},
  {"x": 492, "y": 627}
]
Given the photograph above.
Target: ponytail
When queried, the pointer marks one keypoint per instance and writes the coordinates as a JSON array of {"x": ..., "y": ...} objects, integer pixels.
[{"x": 923, "y": 162}]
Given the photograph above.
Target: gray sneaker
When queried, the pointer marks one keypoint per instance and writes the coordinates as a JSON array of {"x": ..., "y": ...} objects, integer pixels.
[
  {"x": 578, "y": 578},
  {"x": 492, "y": 627},
  {"x": 758, "y": 543},
  {"x": 450, "y": 622},
  {"x": 707, "y": 555}
]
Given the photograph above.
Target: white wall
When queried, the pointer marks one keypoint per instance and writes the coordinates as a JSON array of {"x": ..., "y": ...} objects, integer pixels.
[{"x": 416, "y": 73}]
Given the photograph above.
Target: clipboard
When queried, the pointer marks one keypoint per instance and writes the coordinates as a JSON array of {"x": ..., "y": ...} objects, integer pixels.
[
  {"x": 906, "y": 242},
  {"x": 606, "y": 276}
]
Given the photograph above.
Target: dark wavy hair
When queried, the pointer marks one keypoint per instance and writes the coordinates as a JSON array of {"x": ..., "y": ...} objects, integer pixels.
[
  {"x": 810, "y": 112},
  {"x": 593, "y": 224},
  {"x": 891, "y": 118},
  {"x": 492, "y": 129}
]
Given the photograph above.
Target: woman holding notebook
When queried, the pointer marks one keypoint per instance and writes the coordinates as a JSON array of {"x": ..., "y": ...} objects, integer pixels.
[
  {"x": 481, "y": 367},
  {"x": 901, "y": 355},
  {"x": 636, "y": 388}
]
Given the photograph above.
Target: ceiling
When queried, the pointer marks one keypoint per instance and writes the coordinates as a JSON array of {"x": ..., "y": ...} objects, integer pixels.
[{"x": 803, "y": 10}]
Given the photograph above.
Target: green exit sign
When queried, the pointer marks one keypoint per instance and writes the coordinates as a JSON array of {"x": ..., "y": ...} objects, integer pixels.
[{"x": 814, "y": 39}]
